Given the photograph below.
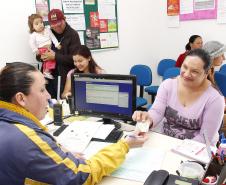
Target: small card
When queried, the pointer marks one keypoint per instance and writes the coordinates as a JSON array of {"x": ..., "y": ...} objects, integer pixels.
[{"x": 142, "y": 126}]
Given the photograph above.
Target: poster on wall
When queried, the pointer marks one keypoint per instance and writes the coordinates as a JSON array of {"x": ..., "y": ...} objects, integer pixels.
[
  {"x": 198, "y": 9},
  {"x": 42, "y": 9},
  {"x": 221, "y": 11},
  {"x": 173, "y": 7}
]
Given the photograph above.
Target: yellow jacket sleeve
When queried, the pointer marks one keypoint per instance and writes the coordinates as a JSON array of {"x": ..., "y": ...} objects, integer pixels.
[{"x": 106, "y": 161}]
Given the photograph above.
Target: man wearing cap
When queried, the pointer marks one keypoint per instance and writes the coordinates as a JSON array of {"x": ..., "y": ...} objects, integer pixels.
[{"x": 69, "y": 40}]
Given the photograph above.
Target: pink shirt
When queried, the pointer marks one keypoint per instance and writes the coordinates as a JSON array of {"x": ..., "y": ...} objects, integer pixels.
[{"x": 188, "y": 122}]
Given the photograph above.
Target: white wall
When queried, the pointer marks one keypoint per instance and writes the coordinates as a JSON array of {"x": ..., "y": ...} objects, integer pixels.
[{"x": 143, "y": 33}]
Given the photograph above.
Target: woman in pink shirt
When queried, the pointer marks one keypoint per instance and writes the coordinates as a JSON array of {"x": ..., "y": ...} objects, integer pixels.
[
  {"x": 84, "y": 63},
  {"x": 189, "y": 104}
]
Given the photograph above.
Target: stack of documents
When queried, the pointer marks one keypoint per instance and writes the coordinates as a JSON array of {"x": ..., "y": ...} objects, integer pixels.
[
  {"x": 194, "y": 150},
  {"x": 78, "y": 134}
]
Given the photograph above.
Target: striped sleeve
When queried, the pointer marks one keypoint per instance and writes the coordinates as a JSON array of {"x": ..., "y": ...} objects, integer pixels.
[{"x": 49, "y": 164}]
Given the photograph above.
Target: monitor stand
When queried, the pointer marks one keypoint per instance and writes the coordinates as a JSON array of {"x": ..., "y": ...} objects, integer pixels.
[{"x": 113, "y": 122}]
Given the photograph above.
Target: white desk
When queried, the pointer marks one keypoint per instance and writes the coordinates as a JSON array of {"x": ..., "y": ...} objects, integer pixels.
[{"x": 171, "y": 161}]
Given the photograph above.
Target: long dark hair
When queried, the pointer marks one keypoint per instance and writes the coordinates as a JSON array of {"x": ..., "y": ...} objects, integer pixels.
[
  {"x": 15, "y": 77},
  {"x": 205, "y": 57},
  {"x": 191, "y": 41},
  {"x": 85, "y": 52}
]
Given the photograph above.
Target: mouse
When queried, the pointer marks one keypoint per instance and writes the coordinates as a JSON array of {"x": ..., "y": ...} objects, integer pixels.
[{"x": 157, "y": 178}]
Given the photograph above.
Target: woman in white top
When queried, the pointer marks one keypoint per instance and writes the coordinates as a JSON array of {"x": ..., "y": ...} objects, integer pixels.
[{"x": 84, "y": 63}]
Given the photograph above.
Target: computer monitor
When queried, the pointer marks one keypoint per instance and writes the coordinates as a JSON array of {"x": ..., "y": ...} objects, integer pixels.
[{"x": 108, "y": 96}]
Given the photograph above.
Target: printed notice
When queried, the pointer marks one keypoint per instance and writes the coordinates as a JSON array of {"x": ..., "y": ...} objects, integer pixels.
[
  {"x": 81, "y": 36},
  {"x": 76, "y": 21},
  {"x": 173, "y": 7},
  {"x": 55, "y": 4},
  {"x": 108, "y": 40},
  {"x": 42, "y": 8},
  {"x": 186, "y": 6},
  {"x": 204, "y": 4},
  {"x": 90, "y": 2},
  {"x": 106, "y": 11},
  {"x": 221, "y": 11},
  {"x": 73, "y": 6}
]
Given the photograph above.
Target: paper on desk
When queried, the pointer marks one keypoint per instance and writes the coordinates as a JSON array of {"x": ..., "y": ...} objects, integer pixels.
[
  {"x": 93, "y": 148},
  {"x": 139, "y": 163},
  {"x": 194, "y": 150},
  {"x": 103, "y": 131},
  {"x": 77, "y": 135}
]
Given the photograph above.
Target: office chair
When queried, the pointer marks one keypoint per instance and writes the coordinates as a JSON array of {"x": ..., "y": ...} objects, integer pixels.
[
  {"x": 223, "y": 69},
  {"x": 144, "y": 78},
  {"x": 171, "y": 73},
  {"x": 220, "y": 79},
  {"x": 162, "y": 67}
]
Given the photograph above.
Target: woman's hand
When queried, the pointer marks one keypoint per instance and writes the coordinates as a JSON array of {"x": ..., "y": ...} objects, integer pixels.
[{"x": 142, "y": 116}]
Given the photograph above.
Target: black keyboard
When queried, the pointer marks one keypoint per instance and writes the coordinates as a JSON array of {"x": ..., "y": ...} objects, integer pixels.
[
  {"x": 113, "y": 137},
  {"x": 60, "y": 130}
]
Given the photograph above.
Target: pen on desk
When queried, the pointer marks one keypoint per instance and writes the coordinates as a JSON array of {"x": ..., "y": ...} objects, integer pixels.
[
  {"x": 134, "y": 136},
  {"x": 198, "y": 152},
  {"x": 222, "y": 156},
  {"x": 212, "y": 154}
]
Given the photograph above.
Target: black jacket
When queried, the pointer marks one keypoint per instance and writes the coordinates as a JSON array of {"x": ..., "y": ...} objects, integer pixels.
[{"x": 70, "y": 43}]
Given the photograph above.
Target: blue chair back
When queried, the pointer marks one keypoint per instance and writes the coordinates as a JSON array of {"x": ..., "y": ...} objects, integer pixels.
[
  {"x": 220, "y": 79},
  {"x": 143, "y": 74},
  {"x": 223, "y": 69},
  {"x": 164, "y": 65},
  {"x": 171, "y": 73}
]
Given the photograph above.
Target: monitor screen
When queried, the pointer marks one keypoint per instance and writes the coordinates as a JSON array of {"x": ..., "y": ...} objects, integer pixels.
[{"x": 104, "y": 95}]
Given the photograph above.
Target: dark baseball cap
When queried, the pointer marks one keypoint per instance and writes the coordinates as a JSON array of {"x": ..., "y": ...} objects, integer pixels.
[{"x": 55, "y": 16}]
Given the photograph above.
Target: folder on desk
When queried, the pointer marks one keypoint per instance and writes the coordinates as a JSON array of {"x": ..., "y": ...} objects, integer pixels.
[{"x": 194, "y": 150}]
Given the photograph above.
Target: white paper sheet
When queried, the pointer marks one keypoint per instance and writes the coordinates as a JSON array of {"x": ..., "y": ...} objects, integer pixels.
[
  {"x": 106, "y": 11},
  {"x": 139, "y": 163},
  {"x": 173, "y": 21},
  {"x": 106, "y": 2},
  {"x": 73, "y": 6},
  {"x": 76, "y": 21},
  {"x": 81, "y": 36},
  {"x": 186, "y": 6},
  {"x": 77, "y": 135},
  {"x": 204, "y": 5},
  {"x": 93, "y": 148},
  {"x": 221, "y": 11},
  {"x": 55, "y": 4},
  {"x": 103, "y": 131},
  {"x": 108, "y": 40}
]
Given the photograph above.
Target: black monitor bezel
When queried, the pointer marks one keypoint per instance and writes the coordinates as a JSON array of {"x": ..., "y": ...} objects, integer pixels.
[{"x": 105, "y": 76}]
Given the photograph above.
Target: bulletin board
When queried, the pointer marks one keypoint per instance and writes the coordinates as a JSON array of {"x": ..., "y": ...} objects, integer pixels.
[{"x": 96, "y": 21}]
